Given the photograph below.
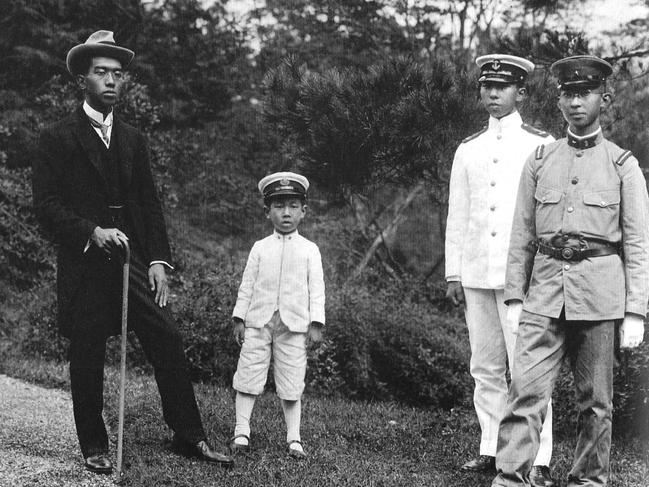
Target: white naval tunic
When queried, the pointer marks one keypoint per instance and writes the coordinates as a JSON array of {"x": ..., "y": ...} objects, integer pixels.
[
  {"x": 484, "y": 181},
  {"x": 283, "y": 272}
]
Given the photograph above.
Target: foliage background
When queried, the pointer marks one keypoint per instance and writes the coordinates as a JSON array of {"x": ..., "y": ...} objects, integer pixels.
[{"x": 369, "y": 99}]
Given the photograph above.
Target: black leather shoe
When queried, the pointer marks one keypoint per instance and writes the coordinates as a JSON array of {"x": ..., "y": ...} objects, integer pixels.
[
  {"x": 205, "y": 452},
  {"x": 484, "y": 463},
  {"x": 99, "y": 463},
  {"x": 201, "y": 450},
  {"x": 540, "y": 476},
  {"x": 293, "y": 453}
]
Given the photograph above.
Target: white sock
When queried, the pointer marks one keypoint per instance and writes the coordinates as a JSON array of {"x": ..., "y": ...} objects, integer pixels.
[
  {"x": 292, "y": 415},
  {"x": 243, "y": 405}
]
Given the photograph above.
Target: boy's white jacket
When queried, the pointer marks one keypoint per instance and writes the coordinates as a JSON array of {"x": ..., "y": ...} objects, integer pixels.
[
  {"x": 484, "y": 182},
  {"x": 283, "y": 272}
]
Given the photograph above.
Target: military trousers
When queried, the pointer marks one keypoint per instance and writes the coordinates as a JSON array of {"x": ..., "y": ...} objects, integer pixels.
[
  {"x": 161, "y": 342},
  {"x": 493, "y": 342},
  {"x": 541, "y": 346}
]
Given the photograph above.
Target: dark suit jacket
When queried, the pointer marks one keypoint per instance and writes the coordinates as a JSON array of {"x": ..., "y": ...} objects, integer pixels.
[{"x": 71, "y": 198}]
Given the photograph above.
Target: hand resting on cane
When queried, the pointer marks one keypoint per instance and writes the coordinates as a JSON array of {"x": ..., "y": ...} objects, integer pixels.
[{"x": 109, "y": 240}]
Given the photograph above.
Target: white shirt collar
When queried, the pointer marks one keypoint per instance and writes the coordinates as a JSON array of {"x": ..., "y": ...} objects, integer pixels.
[
  {"x": 587, "y": 136},
  {"x": 512, "y": 120},
  {"x": 285, "y": 235},
  {"x": 98, "y": 116}
]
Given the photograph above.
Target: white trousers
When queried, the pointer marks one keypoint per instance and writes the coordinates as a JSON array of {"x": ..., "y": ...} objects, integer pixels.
[{"x": 492, "y": 349}]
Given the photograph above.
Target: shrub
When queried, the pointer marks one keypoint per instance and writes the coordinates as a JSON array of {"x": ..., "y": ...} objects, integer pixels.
[
  {"x": 205, "y": 296},
  {"x": 33, "y": 332},
  {"x": 388, "y": 344}
]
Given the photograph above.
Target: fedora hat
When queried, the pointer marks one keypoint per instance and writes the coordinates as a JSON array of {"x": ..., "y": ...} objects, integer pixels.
[{"x": 100, "y": 43}]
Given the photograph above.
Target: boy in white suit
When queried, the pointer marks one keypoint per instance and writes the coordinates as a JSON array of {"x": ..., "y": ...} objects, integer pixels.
[
  {"x": 279, "y": 310},
  {"x": 484, "y": 180}
]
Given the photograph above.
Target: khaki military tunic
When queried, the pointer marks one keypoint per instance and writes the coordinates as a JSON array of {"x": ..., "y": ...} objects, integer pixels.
[{"x": 588, "y": 188}]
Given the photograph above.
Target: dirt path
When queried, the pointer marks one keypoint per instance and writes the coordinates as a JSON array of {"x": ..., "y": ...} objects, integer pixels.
[{"x": 38, "y": 444}]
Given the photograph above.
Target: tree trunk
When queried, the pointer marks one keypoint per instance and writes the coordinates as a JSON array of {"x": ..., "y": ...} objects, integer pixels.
[
  {"x": 358, "y": 205},
  {"x": 383, "y": 234}
]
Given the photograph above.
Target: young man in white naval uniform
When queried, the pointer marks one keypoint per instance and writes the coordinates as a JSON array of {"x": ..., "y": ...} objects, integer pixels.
[{"x": 484, "y": 180}]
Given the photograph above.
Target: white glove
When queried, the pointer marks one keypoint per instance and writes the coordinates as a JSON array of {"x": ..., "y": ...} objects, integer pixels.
[
  {"x": 631, "y": 331},
  {"x": 514, "y": 310}
]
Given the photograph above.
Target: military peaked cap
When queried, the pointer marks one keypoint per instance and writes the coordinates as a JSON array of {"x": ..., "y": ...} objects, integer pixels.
[
  {"x": 581, "y": 71},
  {"x": 503, "y": 68},
  {"x": 283, "y": 183}
]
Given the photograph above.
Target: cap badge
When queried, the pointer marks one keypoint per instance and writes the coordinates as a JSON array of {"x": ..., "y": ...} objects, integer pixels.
[
  {"x": 284, "y": 182},
  {"x": 495, "y": 65}
]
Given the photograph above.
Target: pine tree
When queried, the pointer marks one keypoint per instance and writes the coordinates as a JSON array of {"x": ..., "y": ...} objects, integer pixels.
[{"x": 356, "y": 131}]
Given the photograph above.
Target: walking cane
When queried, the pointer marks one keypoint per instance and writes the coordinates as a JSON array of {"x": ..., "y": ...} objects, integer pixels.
[{"x": 122, "y": 366}]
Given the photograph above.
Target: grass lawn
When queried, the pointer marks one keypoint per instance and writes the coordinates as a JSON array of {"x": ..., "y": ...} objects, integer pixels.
[{"x": 349, "y": 443}]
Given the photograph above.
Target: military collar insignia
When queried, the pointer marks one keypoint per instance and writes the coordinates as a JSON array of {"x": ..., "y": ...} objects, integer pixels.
[
  {"x": 582, "y": 143},
  {"x": 587, "y": 142}
]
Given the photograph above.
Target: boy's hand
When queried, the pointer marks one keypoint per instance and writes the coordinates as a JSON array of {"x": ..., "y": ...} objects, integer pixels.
[
  {"x": 238, "y": 331},
  {"x": 455, "y": 293},
  {"x": 314, "y": 334}
]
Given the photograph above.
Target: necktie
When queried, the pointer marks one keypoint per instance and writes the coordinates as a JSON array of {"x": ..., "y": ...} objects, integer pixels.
[{"x": 103, "y": 127}]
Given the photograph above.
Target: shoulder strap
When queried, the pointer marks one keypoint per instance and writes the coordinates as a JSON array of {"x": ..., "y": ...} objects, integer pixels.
[
  {"x": 539, "y": 152},
  {"x": 534, "y": 130},
  {"x": 477, "y": 134},
  {"x": 623, "y": 157}
]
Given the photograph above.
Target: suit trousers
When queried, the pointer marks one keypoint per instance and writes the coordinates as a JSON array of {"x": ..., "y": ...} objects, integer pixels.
[
  {"x": 161, "y": 342},
  {"x": 492, "y": 343},
  {"x": 541, "y": 347}
]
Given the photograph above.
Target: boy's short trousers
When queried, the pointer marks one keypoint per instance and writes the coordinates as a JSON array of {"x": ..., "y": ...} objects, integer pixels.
[{"x": 288, "y": 350}]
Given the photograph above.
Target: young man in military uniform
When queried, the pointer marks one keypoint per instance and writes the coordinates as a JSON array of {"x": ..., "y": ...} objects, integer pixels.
[
  {"x": 484, "y": 178},
  {"x": 578, "y": 262},
  {"x": 93, "y": 195}
]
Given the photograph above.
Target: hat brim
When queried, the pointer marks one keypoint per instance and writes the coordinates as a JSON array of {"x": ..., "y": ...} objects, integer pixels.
[
  {"x": 591, "y": 85},
  {"x": 275, "y": 194},
  {"x": 77, "y": 54},
  {"x": 497, "y": 79}
]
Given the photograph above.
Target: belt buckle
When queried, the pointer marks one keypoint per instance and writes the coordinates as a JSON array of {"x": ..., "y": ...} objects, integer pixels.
[{"x": 567, "y": 253}]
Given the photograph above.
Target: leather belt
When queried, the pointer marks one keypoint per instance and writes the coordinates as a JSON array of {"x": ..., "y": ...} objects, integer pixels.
[{"x": 595, "y": 249}]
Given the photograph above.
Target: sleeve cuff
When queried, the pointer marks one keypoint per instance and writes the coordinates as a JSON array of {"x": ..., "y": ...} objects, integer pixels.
[
  {"x": 161, "y": 262},
  {"x": 636, "y": 310},
  {"x": 508, "y": 299}
]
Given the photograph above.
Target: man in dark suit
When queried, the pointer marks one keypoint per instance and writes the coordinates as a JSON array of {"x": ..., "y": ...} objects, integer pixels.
[{"x": 93, "y": 195}]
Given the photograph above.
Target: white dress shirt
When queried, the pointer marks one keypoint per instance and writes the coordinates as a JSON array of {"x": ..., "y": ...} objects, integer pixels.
[
  {"x": 99, "y": 118},
  {"x": 283, "y": 272},
  {"x": 484, "y": 182}
]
